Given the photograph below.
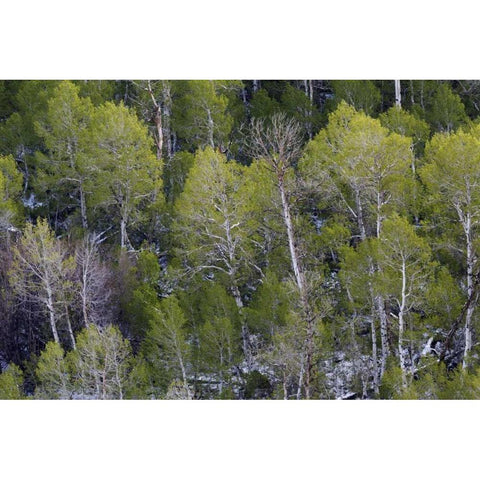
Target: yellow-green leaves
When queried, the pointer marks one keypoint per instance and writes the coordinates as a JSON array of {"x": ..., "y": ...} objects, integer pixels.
[{"x": 10, "y": 193}]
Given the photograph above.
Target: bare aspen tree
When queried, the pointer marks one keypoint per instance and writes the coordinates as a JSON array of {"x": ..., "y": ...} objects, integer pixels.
[
  {"x": 41, "y": 271},
  {"x": 92, "y": 280},
  {"x": 278, "y": 144}
]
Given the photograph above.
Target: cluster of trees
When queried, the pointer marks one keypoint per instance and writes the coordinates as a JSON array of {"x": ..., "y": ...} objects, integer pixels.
[{"x": 239, "y": 239}]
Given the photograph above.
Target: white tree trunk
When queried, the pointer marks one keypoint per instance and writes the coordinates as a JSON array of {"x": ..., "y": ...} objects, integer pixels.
[
  {"x": 398, "y": 94},
  {"x": 51, "y": 312},
  {"x": 470, "y": 309},
  {"x": 83, "y": 208},
  {"x": 380, "y": 307},
  {"x": 300, "y": 378},
  {"x": 69, "y": 327},
  {"x": 360, "y": 221},
  {"x": 300, "y": 280},
  {"x": 401, "y": 327},
  {"x": 374, "y": 353},
  {"x": 291, "y": 241},
  {"x": 210, "y": 128}
]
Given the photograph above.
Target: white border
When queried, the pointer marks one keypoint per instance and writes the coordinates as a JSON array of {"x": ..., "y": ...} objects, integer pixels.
[{"x": 265, "y": 39}]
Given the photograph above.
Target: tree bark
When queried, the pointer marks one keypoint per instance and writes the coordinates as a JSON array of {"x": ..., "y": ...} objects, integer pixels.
[
  {"x": 398, "y": 94},
  {"x": 51, "y": 312},
  {"x": 360, "y": 221},
  {"x": 157, "y": 118},
  {"x": 374, "y": 353},
  {"x": 210, "y": 128},
  {"x": 380, "y": 307},
  {"x": 69, "y": 327},
  {"x": 83, "y": 208},
  {"x": 470, "y": 280},
  {"x": 401, "y": 327},
  {"x": 291, "y": 240}
]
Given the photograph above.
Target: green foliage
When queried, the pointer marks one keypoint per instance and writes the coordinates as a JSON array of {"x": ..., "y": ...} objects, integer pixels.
[
  {"x": 64, "y": 174},
  {"x": 98, "y": 91},
  {"x": 41, "y": 271},
  {"x": 101, "y": 364},
  {"x": 127, "y": 174},
  {"x": 401, "y": 250},
  {"x": 257, "y": 385},
  {"x": 454, "y": 204},
  {"x": 138, "y": 384},
  {"x": 407, "y": 124},
  {"x": 360, "y": 167},
  {"x": 200, "y": 114},
  {"x": 165, "y": 348},
  {"x": 263, "y": 106},
  {"x": 11, "y": 383},
  {"x": 444, "y": 299},
  {"x": 218, "y": 340},
  {"x": 433, "y": 382},
  {"x": 11, "y": 181},
  {"x": 30, "y": 105},
  {"x": 298, "y": 106},
  {"x": 215, "y": 218},
  {"x": 140, "y": 305},
  {"x": 270, "y": 306},
  {"x": 447, "y": 112},
  {"x": 392, "y": 385},
  {"x": 52, "y": 375},
  {"x": 361, "y": 94},
  {"x": 175, "y": 174},
  {"x": 384, "y": 220}
]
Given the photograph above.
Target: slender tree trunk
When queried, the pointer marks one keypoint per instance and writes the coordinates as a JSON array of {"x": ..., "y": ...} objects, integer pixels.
[
  {"x": 159, "y": 135},
  {"x": 167, "y": 112},
  {"x": 157, "y": 120},
  {"x": 360, "y": 221},
  {"x": 123, "y": 233},
  {"x": 83, "y": 208},
  {"x": 291, "y": 241},
  {"x": 300, "y": 280},
  {"x": 21, "y": 157},
  {"x": 119, "y": 383},
  {"x": 210, "y": 128},
  {"x": 84, "y": 290},
  {"x": 245, "y": 332},
  {"x": 374, "y": 353},
  {"x": 104, "y": 380},
  {"x": 300, "y": 379},
  {"x": 422, "y": 103},
  {"x": 307, "y": 85},
  {"x": 69, "y": 327},
  {"x": 380, "y": 304},
  {"x": 398, "y": 94},
  {"x": 401, "y": 327},
  {"x": 51, "y": 312},
  {"x": 470, "y": 309},
  {"x": 244, "y": 97},
  {"x": 379, "y": 213},
  {"x": 184, "y": 373},
  {"x": 309, "y": 356},
  {"x": 284, "y": 385},
  {"x": 380, "y": 307}
]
